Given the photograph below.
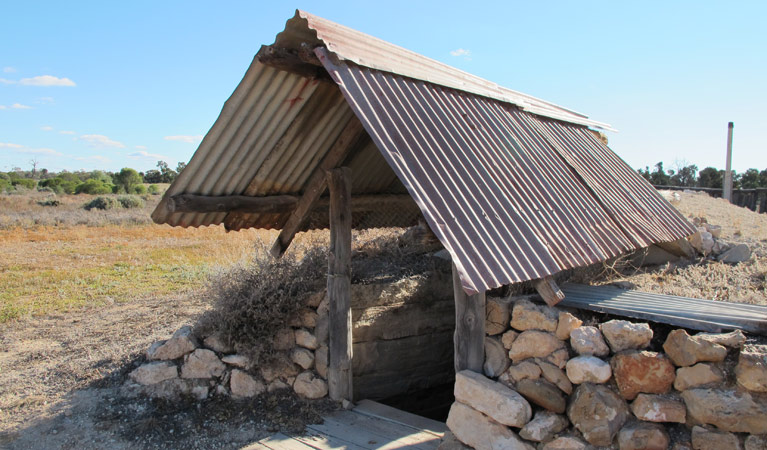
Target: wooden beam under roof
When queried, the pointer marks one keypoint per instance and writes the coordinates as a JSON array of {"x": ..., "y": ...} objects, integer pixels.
[{"x": 303, "y": 62}]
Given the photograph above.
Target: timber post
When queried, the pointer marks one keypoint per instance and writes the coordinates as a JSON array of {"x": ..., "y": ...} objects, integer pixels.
[
  {"x": 339, "y": 285},
  {"x": 469, "y": 337}
]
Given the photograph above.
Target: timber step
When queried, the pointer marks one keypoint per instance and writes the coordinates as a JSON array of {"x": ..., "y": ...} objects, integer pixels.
[{"x": 370, "y": 425}]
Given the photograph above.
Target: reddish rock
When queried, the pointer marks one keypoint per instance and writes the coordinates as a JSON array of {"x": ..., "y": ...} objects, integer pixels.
[
  {"x": 597, "y": 412},
  {"x": 642, "y": 371},
  {"x": 686, "y": 350}
]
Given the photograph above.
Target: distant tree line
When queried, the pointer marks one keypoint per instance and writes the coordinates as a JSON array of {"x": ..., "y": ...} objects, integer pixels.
[
  {"x": 687, "y": 175},
  {"x": 126, "y": 181}
]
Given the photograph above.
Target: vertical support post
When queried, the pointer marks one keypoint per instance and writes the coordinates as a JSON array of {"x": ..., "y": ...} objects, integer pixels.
[
  {"x": 728, "y": 170},
  {"x": 469, "y": 337},
  {"x": 339, "y": 285}
]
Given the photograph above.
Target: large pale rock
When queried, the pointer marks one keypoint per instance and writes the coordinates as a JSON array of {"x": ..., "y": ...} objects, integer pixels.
[
  {"x": 450, "y": 442},
  {"x": 737, "y": 254},
  {"x": 306, "y": 339},
  {"x": 154, "y": 372},
  {"x": 597, "y": 412},
  {"x": 280, "y": 366},
  {"x": 496, "y": 315},
  {"x": 588, "y": 369},
  {"x": 496, "y": 358},
  {"x": 481, "y": 432},
  {"x": 524, "y": 370},
  {"x": 243, "y": 385},
  {"x": 508, "y": 338},
  {"x": 654, "y": 408},
  {"x": 544, "y": 426},
  {"x": 543, "y": 394},
  {"x": 751, "y": 371},
  {"x": 703, "y": 439},
  {"x": 566, "y": 323},
  {"x": 624, "y": 335},
  {"x": 699, "y": 375},
  {"x": 182, "y": 343},
  {"x": 727, "y": 409},
  {"x": 566, "y": 443},
  {"x": 588, "y": 341},
  {"x": 217, "y": 343},
  {"x": 686, "y": 350},
  {"x": 643, "y": 436},
  {"x": 202, "y": 363},
  {"x": 534, "y": 344},
  {"x": 309, "y": 386},
  {"x": 492, "y": 399},
  {"x": 559, "y": 357},
  {"x": 733, "y": 339},
  {"x": 284, "y": 339},
  {"x": 527, "y": 315},
  {"x": 555, "y": 375},
  {"x": 241, "y": 361},
  {"x": 303, "y": 357},
  {"x": 321, "y": 361},
  {"x": 642, "y": 371},
  {"x": 308, "y": 318},
  {"x": 756, "y": 443}
]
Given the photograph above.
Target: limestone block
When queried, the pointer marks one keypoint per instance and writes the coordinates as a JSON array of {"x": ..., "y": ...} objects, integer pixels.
[
  {"x": 588, "y": 341},
  {"x": 624, "y": 335},
  {"x": 492, "y": 399},
  {"x": 481, "y": 432},
  {"x": 588, "y": 369},
  {"x": 526, "y": 315},
  {"x": 654, "y": 408},
  {"x": 154, "y": 372},
  {"x": 686, "y": 350},
  {"x": 202, "y": 363}
]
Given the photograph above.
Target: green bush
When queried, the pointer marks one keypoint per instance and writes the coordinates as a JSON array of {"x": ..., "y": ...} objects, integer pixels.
[
  {"x": 4, "y": 185},
  {"x": 26, "y": 183},
  {"x": 139, "y": 189},
  {"x": 103, "y": 203},
  {"x": 130, "y": 201},
  {"x": 153, "y": 189},
  {"x": 94, "y": 187}
]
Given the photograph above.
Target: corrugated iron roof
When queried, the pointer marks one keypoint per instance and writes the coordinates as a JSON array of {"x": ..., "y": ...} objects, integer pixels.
[{"x": 512, "y": 191}]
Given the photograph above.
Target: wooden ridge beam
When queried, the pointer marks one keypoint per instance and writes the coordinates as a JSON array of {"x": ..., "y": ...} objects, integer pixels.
[{"x": 303, "y": 63}]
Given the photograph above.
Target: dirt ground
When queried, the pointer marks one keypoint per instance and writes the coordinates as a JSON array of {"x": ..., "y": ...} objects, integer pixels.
[{"x": 60, "y": 375}]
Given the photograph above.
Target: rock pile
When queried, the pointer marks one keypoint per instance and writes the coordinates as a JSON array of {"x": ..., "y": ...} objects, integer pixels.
[
  {"x": 707, "y": 241},
  {"x": 562, "y": 384},
  {"x": 204, "y": 366}
]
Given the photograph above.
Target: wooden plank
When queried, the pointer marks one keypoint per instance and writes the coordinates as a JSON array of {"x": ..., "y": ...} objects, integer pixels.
[
  {"x": 469, "y": 337},
  {"x": 350, "y": 138},
  {"x": 320, "y": 441},
  {"x": 373, "y": 433},
  {"x": 231, "y": 203},
  {"x": 278, "y": 441},
  {"x": 339, "y": 285},
  {"x": 548, "y": 290},
  {"x": 375, "y": 409},
  {"x": 297, "y": 63}
]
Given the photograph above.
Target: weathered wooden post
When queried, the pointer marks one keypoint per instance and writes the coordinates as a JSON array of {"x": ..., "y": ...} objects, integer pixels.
[
  {"x": 469, "y": 337},
  {"x": 339, "y": 285},
  {"x": 728, "y": 169}
]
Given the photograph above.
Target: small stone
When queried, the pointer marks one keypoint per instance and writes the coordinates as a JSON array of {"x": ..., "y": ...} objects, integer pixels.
[
  {"x": 221, "y": 391},
  {"x": 526, "y": 370},
  {"x": 751, "y": 371},
  {"x": 703, "y": 439},
  {"x": 276, "y": 385},
  {"x": 543, "y": 394},
  {"x": 303, "y": 357},
  {"x": 654, "y": 408},
  {"x": 217, "y": 343},
  {"x": 280, "y": 366},
  {"x": 726, "y": 409},
  {"x": 559, "y": 357},
  {"x": 480, "y": 432},
  {"x": 496, "y": 315},
  {"x": 314, "y": 300},
  {"x": 544, "y": 426},
  {"x": 306, "y": 339},
  {"x": 347, "y": 405},
  {"x": 308, "y": 318},
  {"x": 508, "y": 338},
  {"x": 756, "y": 443},
  {"x": 309, "y": 386},
  {"x": 555, "y": 375},
  {"x": 241, "y": 361},
  {"x": 699, "y": 375},
  {"x": 588, "y": 369},
  {"x": 321, "y": 361},
  {"x": 243, "y": 385},
  {"x": 642, "y": 371},
  {"x": 588, "y": 341},
  {"x": 643, "y": 436},
  {"x": 284, "y": 339},
  {"x": 202, "y": 363},
  {"x": 534, "y": 344},
  {"x": 733, "y": 339},
  {"x": 496, "y": 358},
  {"x": 737, "y": 254},
  {"x": 597, "y": 412},
  {"x": 686, "y": 350},
  {"x": 527, "y": 315},
  {"x": 492, "y": 399},
  {"x": 624, "y": 335},
  {"x": 182, "y": 343},
  {"x": 566, "y": 443},
  {"x": 715, "y": 230},
  {"x": 566, "y": 323},
  {"x": 154, "y": 372}
]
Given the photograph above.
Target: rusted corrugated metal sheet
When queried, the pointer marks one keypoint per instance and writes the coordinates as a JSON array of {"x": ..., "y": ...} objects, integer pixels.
[{"x": 495, "y": 184}]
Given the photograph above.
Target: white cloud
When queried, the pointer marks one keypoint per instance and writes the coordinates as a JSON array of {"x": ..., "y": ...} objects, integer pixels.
[
  {"x": 99, "y": 140},
  {"x": 9, "y": 69},
  {"x": 461, "y": 52},
  {"x": 187, "y": 139},
  {"x": 41, "y": 151},
  {"x": 10, "y": 145},
  {"x": 45, "y": 100},
  {"x": 3, "y": 107},
  {"x": 46, "y": 80},
  {"x": 142, "y": 154},
  {"x": 141, "y": 147},
  {"x": 47, "y": 128},
  {"x": 67, "y": 132},
  {"x": 20, "y": 106},
  {"x": 6, "y": 81}
]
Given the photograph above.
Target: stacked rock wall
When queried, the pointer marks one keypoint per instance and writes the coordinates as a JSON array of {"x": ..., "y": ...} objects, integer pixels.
[{"x": 552, "y": 382}]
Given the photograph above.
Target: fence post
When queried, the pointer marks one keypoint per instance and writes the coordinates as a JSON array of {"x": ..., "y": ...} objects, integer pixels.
[{"x": 728, "y": 169}]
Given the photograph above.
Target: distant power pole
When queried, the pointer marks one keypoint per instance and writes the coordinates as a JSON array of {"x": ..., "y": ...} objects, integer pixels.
[{"x": 728, "y": 171}]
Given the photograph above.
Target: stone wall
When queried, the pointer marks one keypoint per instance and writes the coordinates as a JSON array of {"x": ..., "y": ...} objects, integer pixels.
[{"x": 552, "y": 382}]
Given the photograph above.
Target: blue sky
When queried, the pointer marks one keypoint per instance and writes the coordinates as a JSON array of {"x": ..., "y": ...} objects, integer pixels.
[{"x": 105, "y": 85}]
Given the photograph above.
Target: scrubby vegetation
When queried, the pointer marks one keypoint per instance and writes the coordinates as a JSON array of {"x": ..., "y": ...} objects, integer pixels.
[{"x": 687, "y": 175}]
